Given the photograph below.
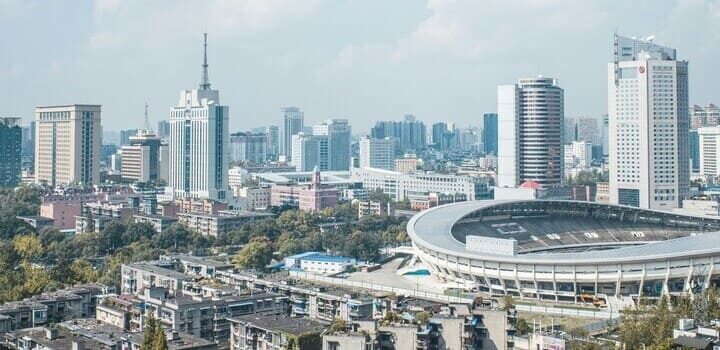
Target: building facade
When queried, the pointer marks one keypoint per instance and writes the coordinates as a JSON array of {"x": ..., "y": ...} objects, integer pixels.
[
  {"x": 309, "y": 151},
  {"x": 67, "y": 144},
  {"x": 490, "y": 133},
  {"x": 142, "y": 159},
  {"x": 248, "y": 147},
  {"x": 198, "y": 143},
  {"x": 337, "y": 132},
  {"x": 293, "y": 122},
  {"x": 648, "y": 125},
  {"x": 399, "y": 186},
  {"x": 10, "y": 151},
  {"x": 377, "y": 153},
  {"x": 530, "y": 128}
]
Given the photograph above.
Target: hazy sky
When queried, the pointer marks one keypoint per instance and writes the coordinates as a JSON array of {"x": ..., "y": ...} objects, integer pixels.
[{"x": 361, "y": 60}]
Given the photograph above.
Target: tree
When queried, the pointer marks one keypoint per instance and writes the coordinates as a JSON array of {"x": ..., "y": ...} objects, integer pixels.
[
  {"x": 28, "y": 246},
  {"x": 83, "y": 272},
  {"x": 149, "y": 332},
  {"x": 256, "y": 254},
  {"x": 363, "y": 245},
  {"x": 422, "y": 317},
  {"x": 522, "y": 326},
  {"x": 160, "y": 342}
]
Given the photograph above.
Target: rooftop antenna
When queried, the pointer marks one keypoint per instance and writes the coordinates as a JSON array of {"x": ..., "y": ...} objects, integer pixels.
[
  {"x": 147, "y": 120},
  {"x": 205, "y": 82}
]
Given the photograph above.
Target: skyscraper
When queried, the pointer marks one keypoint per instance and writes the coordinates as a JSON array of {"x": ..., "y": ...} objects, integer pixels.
[
  {"x": 28, "y": 146},
  {"x": 248, "y": 147},
  {"x": 694, "y": 144},
  {"x": 125, "y": 136},
  {"x": 307, "y": 151},
  {"x": 648, "y": 125},
  {"x": 708, "y": 115},
  {"x": 67, "y": 144},
  {"x": 198, "y": 142},
  {"x": 409, "y": 134},
  {"x": 273, "y": 137},
  {"x": 530, "y": 128},
  {"x": 490, "y": 133},
  {"x": 10, "y": 151},
  {"x": 141, "y": 158},
  {"x": 377, "y": 153},
  {"x": 438, "y": 134},
  {"x": 337, "y": 132},
  {"x": 293, "y": 123},
  {"x": 163, "y": 130}
]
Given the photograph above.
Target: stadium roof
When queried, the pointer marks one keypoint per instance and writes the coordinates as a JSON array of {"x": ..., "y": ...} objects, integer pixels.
[{"x": 432, "y": 229}]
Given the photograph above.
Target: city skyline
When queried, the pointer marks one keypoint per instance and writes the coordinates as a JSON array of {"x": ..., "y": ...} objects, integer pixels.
[{"x": 430, "y": 60}]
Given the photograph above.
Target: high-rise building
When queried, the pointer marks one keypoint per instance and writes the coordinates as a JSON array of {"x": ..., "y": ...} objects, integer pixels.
[
  {"x": 28, "y": 146},
  {"x": 468, "y": 139},
  {"x": 293, "y": 123},
  {"x": 648, "y": 125},
  {"x": 490, "y": 133},
  {"x": 273, "y": 137},
  {"x": 141, "y": 159},
  {"x": 578, "y": 156},
  {"x": 694, "y": 144},
  {"x": 409, "y": 134},
  {"x": 438, "y": 134},
  {"x": 605, "y": 135},
  {"x": 582, "y": 129},
  {"x": 10, "y": 151},
  {"x": 337, "y": 132},
  {"x": 163, "y": 130},
  {"x": 308, "y": 151},
  {"x": 248, "y": 147},
  {"x": 709, "y": 149},
  {"x": 530, "y": 128},
  {"x": 198, "y": 142},
  {"x": 125, "y": 136},
  {"x": 377, "y": 153},
  {"x": 67, "y": 144},
  {"x": 708, "y": 115}
]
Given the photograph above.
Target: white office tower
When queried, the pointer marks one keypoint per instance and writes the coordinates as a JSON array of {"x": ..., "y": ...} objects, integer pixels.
[
  {"x": 578, "y": 157},
  {"x": 307, "y": 151},
  {"x": 530, "y": 128},
  {"x": 67, "y": 145},
  {"x": 377, "y": 153},
  {"x": 198, "y": 143},
  {"x": 648, "y": 125},
  {"x": 337, "y": 132},
  {"x": 709, "y": 141},
  {"x": 293, "y": 123}
]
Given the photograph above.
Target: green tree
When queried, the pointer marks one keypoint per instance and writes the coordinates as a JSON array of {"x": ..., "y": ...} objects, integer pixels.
[
  {"x": 83, "y": 272},
  {"x": 363, "y": 245},
  {"x": 256, "y": 254},
  {"x": 149, "y": 332},
  {"x": 28, "y": 246},
  {"x": 160, "y": 342},
  {"x": 522, "y": 326}
]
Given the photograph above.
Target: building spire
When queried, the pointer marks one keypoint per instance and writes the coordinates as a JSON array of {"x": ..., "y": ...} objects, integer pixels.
[{"x": 205, "y": 82}]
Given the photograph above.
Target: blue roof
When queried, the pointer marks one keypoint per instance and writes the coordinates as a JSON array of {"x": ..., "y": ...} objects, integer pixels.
[{"x": 317, "y": 256}]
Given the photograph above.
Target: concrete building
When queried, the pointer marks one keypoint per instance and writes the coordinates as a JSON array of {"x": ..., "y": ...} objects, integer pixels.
[
  {"x": 410, "y": 134},
  {"x": 293, "y": 123},
  {"x": 67, "y": 144},
  {"x": 709, "y": 149},
  {"x": 276, "y": 332},
  {"x": 144, "y": 158},
  {"x": 163, "y": 129},
  {"x": 398, "y": 185},
  {"x": 337, "y": 132},
  {"x": 319, "y": 263},
  {"x": 198, "y": 143},
  {"x": 221, "y": 223},
  {"x": 248, "y": 147},
  {"x": 253, "y": 198},
  {"x": 309, "y": 151},
  {"x": 530, "y": 128},
  {"x": 578, "y": 156},
  {"x": 158, "y": 222},
  {"x": 704, "y": 116},
  {"x": 377, "y": 153},
  {"x": 10, "y": 151},
  {"x": 649, "y": 123},
  {"x": 367, "y": 207},
  {"x": 317, "y": 196},
  {"x": 135, "y": 278},
  {"x": 273, "y": 136},
  {"x": 406, "y": 165}
]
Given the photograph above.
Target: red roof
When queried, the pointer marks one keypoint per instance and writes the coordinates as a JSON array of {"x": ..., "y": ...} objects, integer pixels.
[{"x": 530, "y": 184}]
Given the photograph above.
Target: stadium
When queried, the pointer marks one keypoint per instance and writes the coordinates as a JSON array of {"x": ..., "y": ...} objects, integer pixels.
[{"x": 567, "y": 251}]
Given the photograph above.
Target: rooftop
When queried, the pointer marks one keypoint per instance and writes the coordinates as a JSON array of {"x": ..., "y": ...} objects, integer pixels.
[{"x": 282, "y": 323}]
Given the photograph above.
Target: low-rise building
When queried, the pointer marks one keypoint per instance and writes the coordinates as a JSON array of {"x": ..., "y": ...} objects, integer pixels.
[
  {"x": 366, "y": 208},
  {"x": 276, "y": 332},
  {"x": 422, "y": 200},
  {"x": 221, "y": 223},
  {"x": 319, "y": 263},
  {"x": 197, "y": 265},
  {"x": 253, "y": 198},
  {"x": 158, "y": 222},
  {"x": 137, "y": 277}
]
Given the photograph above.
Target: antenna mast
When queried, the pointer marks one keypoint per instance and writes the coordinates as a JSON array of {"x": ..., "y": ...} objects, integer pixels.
[
  {"x": 205, "y": 82},
  {"x": 147, "y": 120}
]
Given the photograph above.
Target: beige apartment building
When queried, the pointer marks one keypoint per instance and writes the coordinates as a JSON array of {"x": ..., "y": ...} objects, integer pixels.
[{"x": 67, "y": 144}]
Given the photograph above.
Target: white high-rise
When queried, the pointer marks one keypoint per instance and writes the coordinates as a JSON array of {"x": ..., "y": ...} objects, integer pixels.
[
  {"x": 199, "y": 143},
  {"x": 307, "y": 151},
  {"x": 377, "y": 153},
  {"x": 530, "y": 128},
  {"x": 709, "y": 141},
  {"x": 648, "y": 125},
  {"x": 293, "y": 123},
  {"x": 67, "y": 144},
  {"x": 337, "y": 132}
]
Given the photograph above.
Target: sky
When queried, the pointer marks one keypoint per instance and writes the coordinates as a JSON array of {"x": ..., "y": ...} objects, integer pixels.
[{"x": 440, "y": 60}]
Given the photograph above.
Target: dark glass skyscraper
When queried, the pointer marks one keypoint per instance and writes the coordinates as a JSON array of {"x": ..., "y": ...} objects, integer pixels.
[
  {"x": 10, "y": 150},
  {"x": 490, "y": 133}
]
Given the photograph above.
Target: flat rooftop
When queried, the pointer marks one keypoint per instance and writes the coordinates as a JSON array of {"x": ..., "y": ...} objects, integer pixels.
[{"x": 282, "y": 323}]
